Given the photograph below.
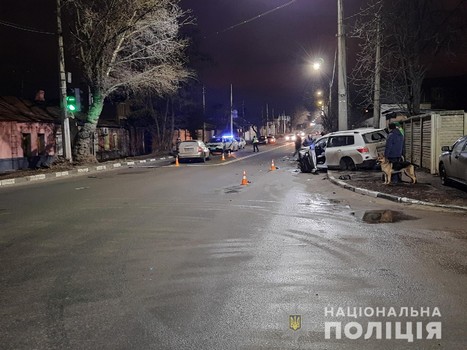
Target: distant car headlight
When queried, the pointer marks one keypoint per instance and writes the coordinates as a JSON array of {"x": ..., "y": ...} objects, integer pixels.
[{"x": 294, "y": 138}]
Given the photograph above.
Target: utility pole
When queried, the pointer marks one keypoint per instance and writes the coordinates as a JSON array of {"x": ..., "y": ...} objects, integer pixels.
[
  {"x": 267, "y": 119},
  {"x": 342, "y": 71},
  {"x": 376, "y": 100},
  {"x": 231, "y": 110},
  {"x": 204, "y": 114},
  {"x": 63, "y": 111},
  {"x": 331, "y": 83}
]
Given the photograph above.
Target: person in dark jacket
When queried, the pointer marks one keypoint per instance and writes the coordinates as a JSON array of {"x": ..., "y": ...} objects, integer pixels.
[
  {"x": 394, "y": 148},
  {"x": 298, "y": 145}
]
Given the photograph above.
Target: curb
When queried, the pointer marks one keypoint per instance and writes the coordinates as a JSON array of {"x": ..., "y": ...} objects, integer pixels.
[
  {"x": 78, "y": 171},
  {"x": 390, "y": 197}
]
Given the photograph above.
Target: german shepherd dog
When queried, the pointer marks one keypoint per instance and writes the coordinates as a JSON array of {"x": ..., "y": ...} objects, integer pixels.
[{"x": 389, "y": 168}]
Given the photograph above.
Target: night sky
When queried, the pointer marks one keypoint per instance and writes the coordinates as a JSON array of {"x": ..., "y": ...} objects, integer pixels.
[{"x": 266, "y": 60}]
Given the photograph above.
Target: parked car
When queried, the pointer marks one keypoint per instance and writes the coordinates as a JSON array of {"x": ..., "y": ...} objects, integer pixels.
[
  {"x": 222, "y": 144},
  {"x": 354, "y": 149},
  {"x": 193, "y": 149},
  {"x": 263, "y": 140},
  {"x": 290, "y": 137},
  {"x": 241, "y": 142},
  {"x": 271, "y": 139},
  {"x": 453, "y": 162}
]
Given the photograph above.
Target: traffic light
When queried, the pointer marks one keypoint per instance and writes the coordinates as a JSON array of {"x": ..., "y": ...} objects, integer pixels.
[
  {"x": 71, "y": 103},
  {"x": 73, "y": 100}
]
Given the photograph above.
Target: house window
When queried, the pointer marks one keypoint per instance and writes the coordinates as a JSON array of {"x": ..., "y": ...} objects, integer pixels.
[
  {"x": 41, "y": 144},
  {"x": 26, "y": 144},
  {"x": 115, "y": 141},
  {"x": 107, "y": 142}
]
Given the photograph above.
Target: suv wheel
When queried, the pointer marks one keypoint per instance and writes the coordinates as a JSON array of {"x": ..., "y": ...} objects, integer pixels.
[
  {"x": 347, "y": 164},
  {"x": 443, "y": 175}
]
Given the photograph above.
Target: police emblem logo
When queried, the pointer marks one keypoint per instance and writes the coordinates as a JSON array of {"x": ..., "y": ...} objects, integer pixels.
[{"x": 295, "y": 322}]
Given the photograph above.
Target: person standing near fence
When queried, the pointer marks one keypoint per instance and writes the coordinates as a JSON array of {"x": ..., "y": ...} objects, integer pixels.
[{"x": 394, "y": 148}]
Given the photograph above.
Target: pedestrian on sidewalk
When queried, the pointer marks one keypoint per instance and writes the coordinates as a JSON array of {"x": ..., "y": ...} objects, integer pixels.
[
  {"x": 394, "y": 148},
  {"x": 401, "y": 130}
]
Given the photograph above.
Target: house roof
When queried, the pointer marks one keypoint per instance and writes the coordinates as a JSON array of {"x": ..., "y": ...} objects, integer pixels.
[{"x": 21, "y": 110}]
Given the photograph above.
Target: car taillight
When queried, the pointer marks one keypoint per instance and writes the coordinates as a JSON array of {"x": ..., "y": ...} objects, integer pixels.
[{"x": 363, "y": 150}]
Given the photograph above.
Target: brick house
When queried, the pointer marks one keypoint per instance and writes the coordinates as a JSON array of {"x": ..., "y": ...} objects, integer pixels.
[{"x": 28, "y": 134}]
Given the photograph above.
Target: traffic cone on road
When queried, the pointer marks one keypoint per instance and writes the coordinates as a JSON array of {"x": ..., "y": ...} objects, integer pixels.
[
  {"x": 176, "y": 161},
  {"x": 223, "y": 156},
  {"x": 244, "y": 180},
  {"x": 273, "y": 167}
]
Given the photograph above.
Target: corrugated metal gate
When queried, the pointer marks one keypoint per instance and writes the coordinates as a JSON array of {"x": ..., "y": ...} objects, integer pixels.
[{"x": 425, "y": 134}]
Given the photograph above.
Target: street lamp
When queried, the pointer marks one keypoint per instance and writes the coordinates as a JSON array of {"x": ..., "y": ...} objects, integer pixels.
[{"x": 317, "y": 65}]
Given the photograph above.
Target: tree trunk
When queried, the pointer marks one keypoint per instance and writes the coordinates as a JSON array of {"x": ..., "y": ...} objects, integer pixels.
[{"x": 83, "y": 144}]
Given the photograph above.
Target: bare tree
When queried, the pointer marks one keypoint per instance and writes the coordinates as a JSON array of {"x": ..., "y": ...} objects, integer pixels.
[
  {"x": 410, "y": 35},
  {"x": 130, "y": 45}
]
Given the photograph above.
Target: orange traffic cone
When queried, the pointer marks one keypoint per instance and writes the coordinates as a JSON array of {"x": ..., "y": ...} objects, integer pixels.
[
  {"x": 176, "y": 161},
  {"x": 273, "y": 167},
  {"x": 244, "y": 180},
  {"x": 223, "y": 157}
]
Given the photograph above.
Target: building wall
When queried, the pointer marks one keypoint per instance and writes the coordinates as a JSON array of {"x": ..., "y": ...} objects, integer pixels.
[
  {"x": 112, "y": 143},
  {"x": 26, "y": 145},
  {"x": 426, "y": 134}
]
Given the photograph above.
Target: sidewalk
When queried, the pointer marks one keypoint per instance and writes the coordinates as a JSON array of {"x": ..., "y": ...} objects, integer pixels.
[
  {"x": 32, "y": 175},
  {"x": 427, "y": 191}
]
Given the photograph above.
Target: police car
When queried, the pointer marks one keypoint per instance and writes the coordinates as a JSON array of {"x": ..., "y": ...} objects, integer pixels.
[{"x": 223, "y": 143}]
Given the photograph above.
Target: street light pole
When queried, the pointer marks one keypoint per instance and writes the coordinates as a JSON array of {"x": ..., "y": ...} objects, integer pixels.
[
  {"x": 64, "y": 115},
  {"x": 342, "y": 72},
  {"x": 204, "y": 114},
  {"x": 377, "y": 92},
  {"x": 231, "y": 110}
]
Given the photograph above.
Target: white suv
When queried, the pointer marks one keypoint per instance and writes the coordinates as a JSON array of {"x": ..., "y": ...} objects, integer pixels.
[{"x": 353, "y": 149}]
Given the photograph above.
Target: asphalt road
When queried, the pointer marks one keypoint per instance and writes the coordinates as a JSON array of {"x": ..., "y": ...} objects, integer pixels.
[{"x": 187, "y": 258}]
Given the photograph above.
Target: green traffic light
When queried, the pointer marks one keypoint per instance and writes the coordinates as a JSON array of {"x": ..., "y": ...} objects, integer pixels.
[{"x": 71, "y": 103}]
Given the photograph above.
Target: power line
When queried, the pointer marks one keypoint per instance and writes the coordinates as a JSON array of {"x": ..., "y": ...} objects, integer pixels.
[
  {"x": 26, "y": 29},
  {"x": 253, "y": 18}
]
